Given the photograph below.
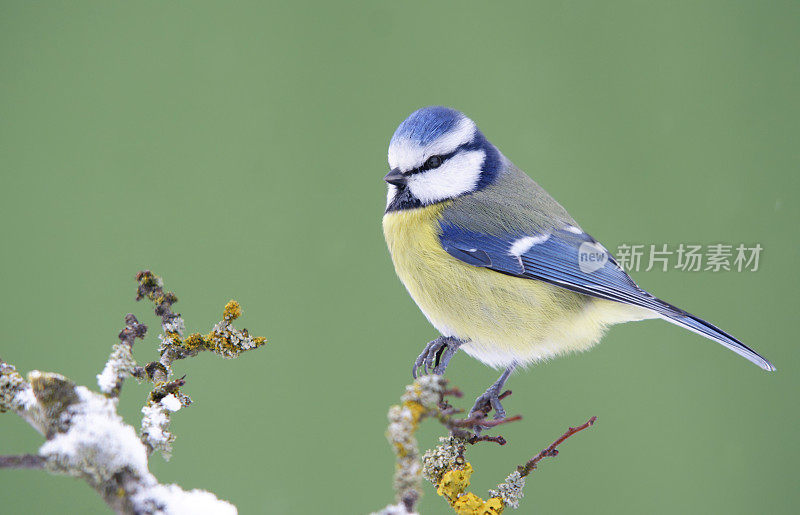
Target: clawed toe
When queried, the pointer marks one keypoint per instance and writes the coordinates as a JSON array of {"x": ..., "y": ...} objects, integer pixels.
[
  {"x": 425, "y": 361},
  {"x": 488, "y": 401},
  {"x": 435, "y": 357}
]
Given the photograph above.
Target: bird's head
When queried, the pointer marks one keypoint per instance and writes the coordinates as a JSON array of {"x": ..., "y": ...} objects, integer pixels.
[{"x": 437, "y": 154}]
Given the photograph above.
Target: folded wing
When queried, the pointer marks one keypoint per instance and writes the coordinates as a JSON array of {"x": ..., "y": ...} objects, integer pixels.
[{"x": 569, "y": 258}]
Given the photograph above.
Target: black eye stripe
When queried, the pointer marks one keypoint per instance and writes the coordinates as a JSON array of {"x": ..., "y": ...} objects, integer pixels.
[{"x": 426, "y": 166}]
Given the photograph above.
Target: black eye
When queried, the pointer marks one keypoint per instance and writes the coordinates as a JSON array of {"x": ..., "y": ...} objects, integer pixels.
[{"x": 433, "y": 162}]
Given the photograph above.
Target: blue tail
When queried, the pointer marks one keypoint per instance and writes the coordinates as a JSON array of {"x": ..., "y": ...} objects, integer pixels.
[{"x": 712, "y": 332}]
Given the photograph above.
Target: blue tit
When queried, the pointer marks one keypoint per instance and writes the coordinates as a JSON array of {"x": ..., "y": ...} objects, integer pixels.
[{"x": 498, "y": 267}]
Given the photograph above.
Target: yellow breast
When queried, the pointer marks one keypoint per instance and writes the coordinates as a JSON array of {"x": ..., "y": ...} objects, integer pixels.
[{"x": 506, "y": 319}]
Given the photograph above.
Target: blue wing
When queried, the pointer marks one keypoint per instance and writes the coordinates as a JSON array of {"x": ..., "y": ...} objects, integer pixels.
[
  {"x": 571, "y": 259},
  {"x": 551, "y": 257}
]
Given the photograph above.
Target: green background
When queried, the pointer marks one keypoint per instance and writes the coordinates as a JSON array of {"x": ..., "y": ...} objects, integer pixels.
[{"x": 237, "y": 149}]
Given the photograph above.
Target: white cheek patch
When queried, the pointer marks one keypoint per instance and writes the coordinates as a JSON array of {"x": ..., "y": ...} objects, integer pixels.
[
  {"x": 406, "y": 154},
  {"x": 458, "y": 175}
]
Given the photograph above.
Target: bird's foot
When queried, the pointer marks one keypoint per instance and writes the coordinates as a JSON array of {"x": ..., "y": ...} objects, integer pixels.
[
  {"x": 436, "y": 356},
  {"x": 490, "y": 400}
]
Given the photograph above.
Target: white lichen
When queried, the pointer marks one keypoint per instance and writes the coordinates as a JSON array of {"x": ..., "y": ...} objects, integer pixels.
[
  {"x": 97, "y": 445},
  {"x": 173, "y": 500},
  {"x": 401, "y": 435},
  {"x": 15, "y": 392},
  {"x": 403, "y": 419},
  {"x": 401, "y": 427},
  {"x": 174, "y": 325},
  {"x": 97, "y": 442},
  {"x": 426, "y": 390},
  {"x": 171, "y": 402},
  {"x": 166, "y": 342},
  {"x": 155, "y": 428},
  {"x": 87, "y": 438},
  {"x": 510, "y": 490},
  {"x": 229, "y": 342},
  {"x": 25, "y": 399},
  {"x": 442, "y": 458},
  {"x": 119, "y": 366}
]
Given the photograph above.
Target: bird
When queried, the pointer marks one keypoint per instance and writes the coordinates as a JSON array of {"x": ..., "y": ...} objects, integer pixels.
[{"x": 498, "y": 266}]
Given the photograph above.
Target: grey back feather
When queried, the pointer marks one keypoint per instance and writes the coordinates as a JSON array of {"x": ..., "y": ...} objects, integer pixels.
[{"x": 513, "y": 204}]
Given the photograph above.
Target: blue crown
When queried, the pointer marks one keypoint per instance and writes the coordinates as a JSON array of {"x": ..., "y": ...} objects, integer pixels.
[{"x": 427, "y": 124}]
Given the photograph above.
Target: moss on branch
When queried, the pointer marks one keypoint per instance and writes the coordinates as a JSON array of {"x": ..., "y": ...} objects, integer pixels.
[
  {"x": 445, "y": 466},
  {"x": 86, "y": 437}
]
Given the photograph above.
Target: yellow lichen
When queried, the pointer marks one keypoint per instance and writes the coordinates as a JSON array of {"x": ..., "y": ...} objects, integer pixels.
[
  {"x": 400, "y": 450},
  {"x": 471, "y": 504},
  {"x": 417, "y": 411},
  {"x": 454, "y": 483},
  {"x": 147, "y": 278},
  {"x": 232, "y": 310},
  {"x": 175, "y": 337},
  {"x": 453, "y": 486},
  {"x": 195, "y": 341},
  {"x": 224, "y": 338}
]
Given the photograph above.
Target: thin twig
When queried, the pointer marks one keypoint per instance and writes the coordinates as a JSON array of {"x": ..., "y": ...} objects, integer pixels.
[
  {"x": 551, "y": 450},
  {"x": 472, "y": 440},
  {"x": 453, "y": 392},
  {"x": 86, "y": 436},
  {"x": 23, "y": 461},
  {"x": 127, "y": 336},
  {"x": 476, "y": 420},
  {"x": 133, "y": 329},
  {"x": 164, "y": 389},
  {"x": 150, "y": 286}
]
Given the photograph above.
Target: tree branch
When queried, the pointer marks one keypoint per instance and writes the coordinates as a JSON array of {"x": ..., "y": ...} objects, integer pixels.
[
  {"x": 445, "y": 465},
  {"x": 23, "y": 461},
  {"x": 551, "y": 450},
  {"x": 120, "y": 364},
  {"x": 85, "y": 435}
]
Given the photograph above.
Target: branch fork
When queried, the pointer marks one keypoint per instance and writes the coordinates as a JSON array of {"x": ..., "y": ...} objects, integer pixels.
[{"x": 86, "y": 437}]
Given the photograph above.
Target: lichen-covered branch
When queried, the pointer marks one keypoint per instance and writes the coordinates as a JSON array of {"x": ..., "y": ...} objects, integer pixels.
[
  {"x": 86, "y": 437},
  {"x": 425, "y": 398},
  {"x": 166, "y": 398},
  {"x": 17, "y": 395},
  {"x": 121, "y": 364},
  {"x": 445, "y": 465},
  {"x": 420, "y": 400}
]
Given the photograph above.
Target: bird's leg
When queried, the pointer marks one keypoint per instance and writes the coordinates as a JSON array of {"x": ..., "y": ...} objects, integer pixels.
[
  {"x": 436, "y": 355},
  {"x": 490, "y": 399}
]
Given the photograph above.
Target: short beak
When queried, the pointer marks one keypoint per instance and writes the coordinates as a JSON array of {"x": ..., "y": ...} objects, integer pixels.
[{"x": 395, "y": 177}]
